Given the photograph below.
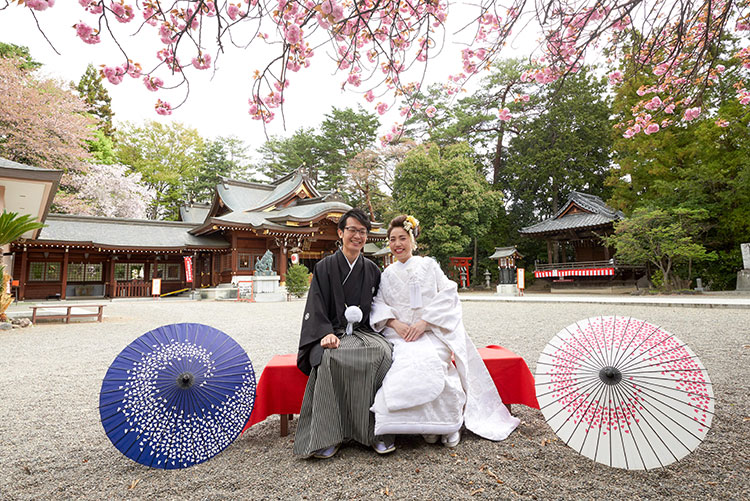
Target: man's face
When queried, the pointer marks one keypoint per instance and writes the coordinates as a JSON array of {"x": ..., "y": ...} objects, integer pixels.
[{"x": 354, "y": 236}]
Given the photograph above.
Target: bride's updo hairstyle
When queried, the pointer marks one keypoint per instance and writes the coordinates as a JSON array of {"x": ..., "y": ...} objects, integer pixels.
[{"x": 409, "y": 223}]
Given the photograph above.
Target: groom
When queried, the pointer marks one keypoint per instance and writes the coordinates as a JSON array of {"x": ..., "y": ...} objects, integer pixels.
[{"x": 345, "y": 370}]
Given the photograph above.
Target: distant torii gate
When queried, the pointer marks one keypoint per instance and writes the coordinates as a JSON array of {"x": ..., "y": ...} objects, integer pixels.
[{"x": 462, "y": 264}]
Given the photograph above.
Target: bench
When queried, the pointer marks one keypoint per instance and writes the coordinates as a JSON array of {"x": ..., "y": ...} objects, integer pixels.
[
  {"x": 67, "y": 311},
  {"x": 281, "y": 386}
]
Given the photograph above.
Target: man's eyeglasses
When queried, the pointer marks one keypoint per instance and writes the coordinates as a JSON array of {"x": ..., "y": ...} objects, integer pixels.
[{"x": 351, "y": 229}]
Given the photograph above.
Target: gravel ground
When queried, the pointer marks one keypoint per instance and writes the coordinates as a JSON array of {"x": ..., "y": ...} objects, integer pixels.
[{"x": 52, "y": 445}]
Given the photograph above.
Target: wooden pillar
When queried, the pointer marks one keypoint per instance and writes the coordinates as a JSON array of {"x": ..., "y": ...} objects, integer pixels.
[
  {"x": 22, "y": 278},
  {"x": 235, "y": 256},
  {"x": 195, "y": 269},
  {"x": 606, "y": 253},
  {"x": 550, "y": 253},
  {"x": 282, "y": 263},
  {"x": 563, "y": 252},
  {"x": 64, "y": 273},
  {"x": 213, "y": 267},
  {"x": 156, "y": 262},
  {"x": 112, "y": 278}
]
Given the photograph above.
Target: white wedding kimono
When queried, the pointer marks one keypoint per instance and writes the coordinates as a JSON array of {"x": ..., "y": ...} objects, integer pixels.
[{"x": 423, "y": 392}]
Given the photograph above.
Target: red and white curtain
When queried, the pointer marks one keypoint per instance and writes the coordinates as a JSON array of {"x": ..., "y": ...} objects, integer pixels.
[{"x": 583, "y": 272}]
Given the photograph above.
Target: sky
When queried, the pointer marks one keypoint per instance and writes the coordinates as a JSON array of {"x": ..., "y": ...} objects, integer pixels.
[{"x": 218, "y": 101}]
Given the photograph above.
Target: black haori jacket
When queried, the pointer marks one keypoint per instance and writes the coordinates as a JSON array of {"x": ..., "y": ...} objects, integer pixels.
[{"x": 327, "y": 299}]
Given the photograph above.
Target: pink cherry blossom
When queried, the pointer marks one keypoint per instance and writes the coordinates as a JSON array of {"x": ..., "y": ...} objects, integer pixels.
[
  {"x": 505, "y": 115},
  {"x": 430, "y": 111},
  {"x": 92, "y": 6},
  {"x": 651, "y": 129},
  {"x": 669, "y": 109},
  {"x": 691, "y": 114},
  {"x": 293, "y": 34},
  {"x": 123, "y": 13},
  {"x": 87, "y": 33},
  {"x": 162, "y": 107},
  {"x": 40, "y": 4},
  {"x": 369, "y": 96},
  {"x": 153, "y": 83},
  {"x": 114, "y": 74},
  {"x": 615, "y": 77},
  {"x": 202, "y": 62},
  {"x": 233, "y": 12},
  {"x": 381, "y": 108},
  {"x": 722, "y": 123}
]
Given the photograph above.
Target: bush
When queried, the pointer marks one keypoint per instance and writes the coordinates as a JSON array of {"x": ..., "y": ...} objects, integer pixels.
[{"x": 297, "y": 281}]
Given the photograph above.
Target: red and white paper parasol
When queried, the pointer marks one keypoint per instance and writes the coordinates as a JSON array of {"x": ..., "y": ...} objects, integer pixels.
[{"x": 624, "y": 392}]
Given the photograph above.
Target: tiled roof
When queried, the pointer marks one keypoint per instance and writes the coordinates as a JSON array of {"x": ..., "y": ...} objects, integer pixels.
[
  {"x": 599, "y": 214},
  {"x": 120, "y": 232},
  {"x": 505, "y": 252},
  {"x": 194, "y": 213}
]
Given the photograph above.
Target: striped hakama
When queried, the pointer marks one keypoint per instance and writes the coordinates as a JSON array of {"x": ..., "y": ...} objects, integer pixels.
[{"x": 340, "y": 391}]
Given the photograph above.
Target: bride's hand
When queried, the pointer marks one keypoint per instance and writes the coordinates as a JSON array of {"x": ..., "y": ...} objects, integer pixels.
[
  {"x": 400, "y": 327},
  {"x": 415, "y": 331}
]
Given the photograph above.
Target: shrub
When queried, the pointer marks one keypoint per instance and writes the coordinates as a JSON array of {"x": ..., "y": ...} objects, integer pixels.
[{"x": 297, "y": 281}]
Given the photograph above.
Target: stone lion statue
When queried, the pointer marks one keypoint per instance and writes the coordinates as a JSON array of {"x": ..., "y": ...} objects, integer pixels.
[{"x": 264, "y": 265}]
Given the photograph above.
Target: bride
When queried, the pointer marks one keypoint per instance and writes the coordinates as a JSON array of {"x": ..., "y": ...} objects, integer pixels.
[{"x": 418, "y": 311}]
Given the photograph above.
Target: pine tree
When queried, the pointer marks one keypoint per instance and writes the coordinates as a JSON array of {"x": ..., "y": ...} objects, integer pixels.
[{"x": 92, "y": 91}]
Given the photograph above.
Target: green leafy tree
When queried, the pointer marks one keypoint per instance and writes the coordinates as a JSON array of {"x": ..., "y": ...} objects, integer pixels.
[
  {"x": 223, "y": 157},
  {"x": 168, "y": 157},
  {"x": 566, "y": 148},
  {"x": 663, "y": 238},
  {"x": 297, "y": 280},
  {"x": 344, "y": 134},
  {"x": 475, "y": 118},
  {"x": 280, "y": 156},
  {"x": 92, "y": 91},
  {"x": 703, "y": 164},
  {"x": 443, "y": 189},
  {"x": 20, "y": 55}
]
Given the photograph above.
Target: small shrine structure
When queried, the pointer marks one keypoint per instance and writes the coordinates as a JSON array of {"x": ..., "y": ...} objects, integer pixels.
[
  {"x": 460, "y": 272},
  {"x": 506, "y": 263},
  {"x": 573, "y": 235}
]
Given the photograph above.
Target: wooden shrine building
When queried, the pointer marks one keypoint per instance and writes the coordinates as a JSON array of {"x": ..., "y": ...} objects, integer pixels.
[
  {"x": 115, "y": 257},
  {"x": 575, "y": 250}
]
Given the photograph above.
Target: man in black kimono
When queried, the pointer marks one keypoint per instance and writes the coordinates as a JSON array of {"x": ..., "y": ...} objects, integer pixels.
[{"x": 345, "y": 370}]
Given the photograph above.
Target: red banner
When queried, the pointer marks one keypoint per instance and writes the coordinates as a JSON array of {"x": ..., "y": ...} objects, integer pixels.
[{"x": 188, "y": 269}]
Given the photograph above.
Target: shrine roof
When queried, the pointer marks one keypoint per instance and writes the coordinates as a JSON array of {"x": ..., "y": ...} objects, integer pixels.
[
  {"x": 246, "y": 196},
  {"x": 590, "y": 212},
  {"x": 194, "y": 213},
  {"x": 505, "y": 252},
  {"x": 124, "y": 233}
]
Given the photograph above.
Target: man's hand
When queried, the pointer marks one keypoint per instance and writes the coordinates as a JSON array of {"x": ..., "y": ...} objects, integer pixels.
[
  {"x": 415, "y": 331},
  {"x": 330, "y": 341}
]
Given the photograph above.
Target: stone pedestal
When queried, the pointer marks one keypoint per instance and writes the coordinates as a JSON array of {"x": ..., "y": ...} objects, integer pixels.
[
  {"x": 743, "y": 280},
  {"x": 266, "y": 289},
  {"x": 507, "y": 290}
]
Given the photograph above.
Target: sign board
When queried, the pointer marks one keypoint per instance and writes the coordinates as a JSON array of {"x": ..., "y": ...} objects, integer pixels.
[
  {"x": 156, "y": 286},
  {"x": 745, "y": 255},
  {"x": 188, "y": 269},
  {"x": 245, "y": 291},
  {"x": 520, "y": 278}
]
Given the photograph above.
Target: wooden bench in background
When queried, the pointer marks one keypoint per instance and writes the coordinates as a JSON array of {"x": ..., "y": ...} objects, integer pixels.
[
  {"x": 281, "y": 386},
  {"x": 67, "y": 311}
]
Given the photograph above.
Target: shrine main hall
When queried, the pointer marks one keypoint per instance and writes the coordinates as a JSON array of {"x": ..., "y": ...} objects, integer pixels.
[{"x": 212, "y": 244}]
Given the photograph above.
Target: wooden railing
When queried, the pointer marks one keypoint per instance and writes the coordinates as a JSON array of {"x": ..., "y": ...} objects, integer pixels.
[{"x": 135, "y": 288}]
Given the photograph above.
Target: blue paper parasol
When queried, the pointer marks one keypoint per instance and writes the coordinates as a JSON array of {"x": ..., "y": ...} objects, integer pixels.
[{"x": 177, "y": 396}]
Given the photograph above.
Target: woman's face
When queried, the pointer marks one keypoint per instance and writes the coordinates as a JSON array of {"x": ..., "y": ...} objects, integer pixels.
[{"x": 400, "y": 244}]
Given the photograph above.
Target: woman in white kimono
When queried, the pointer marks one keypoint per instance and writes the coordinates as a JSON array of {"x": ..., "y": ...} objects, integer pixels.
[{"x": 418, "y": 311}]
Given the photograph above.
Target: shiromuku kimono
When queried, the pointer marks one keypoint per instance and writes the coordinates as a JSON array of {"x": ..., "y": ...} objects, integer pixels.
[
  {"x": 424, "y": 392},
  {"x": 343, "y": 381}
]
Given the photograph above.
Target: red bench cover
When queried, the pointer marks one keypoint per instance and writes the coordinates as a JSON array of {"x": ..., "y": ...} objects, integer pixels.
[{"x": 281, "y": 386}]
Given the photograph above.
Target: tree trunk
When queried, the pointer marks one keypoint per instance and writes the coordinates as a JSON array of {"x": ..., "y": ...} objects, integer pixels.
[{"x": 497, "y": 162}]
